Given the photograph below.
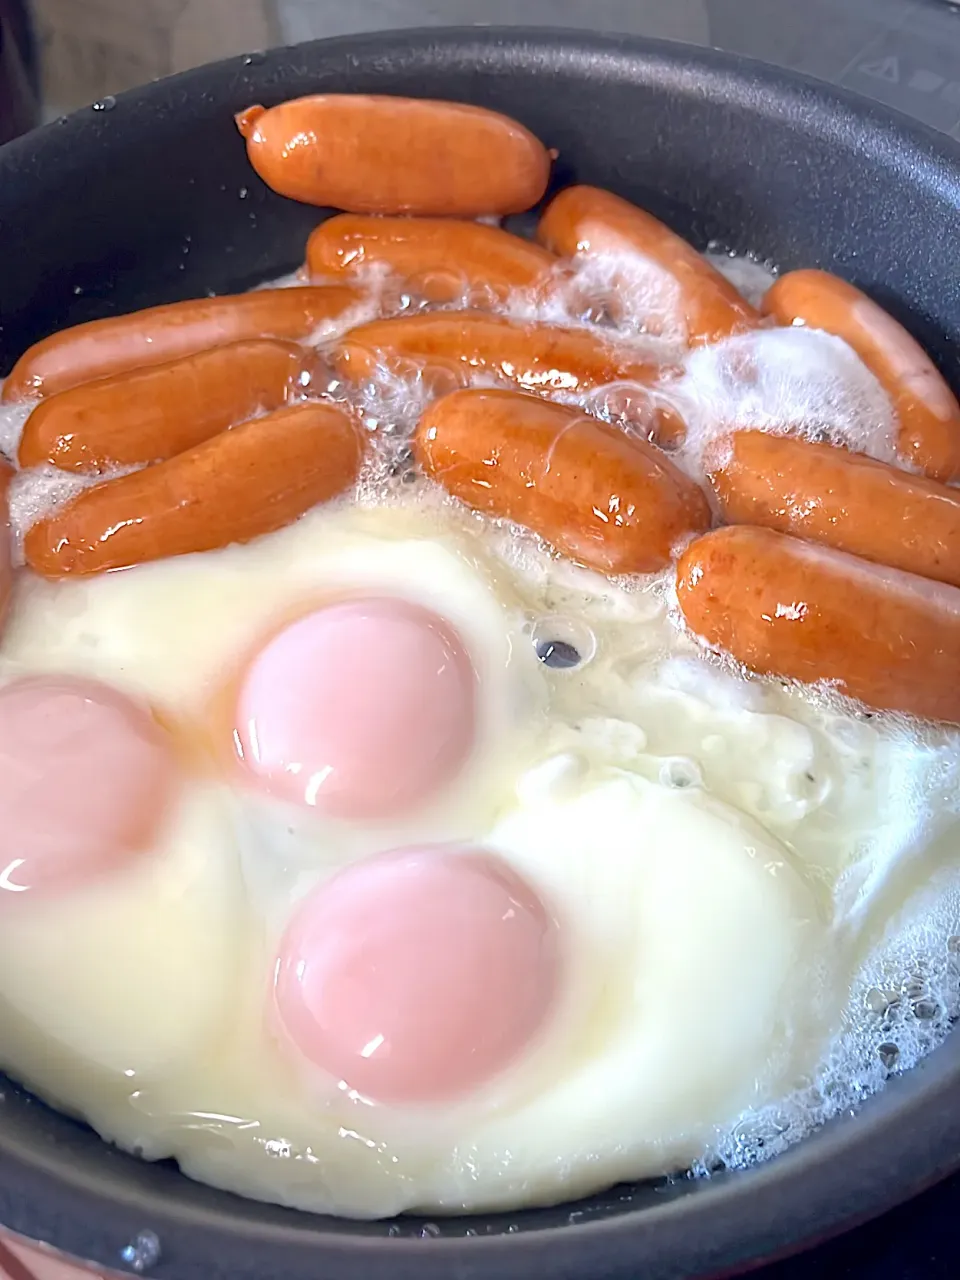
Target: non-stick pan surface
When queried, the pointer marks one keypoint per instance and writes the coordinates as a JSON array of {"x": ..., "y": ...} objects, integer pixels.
[{"x": 150, "y": 199}]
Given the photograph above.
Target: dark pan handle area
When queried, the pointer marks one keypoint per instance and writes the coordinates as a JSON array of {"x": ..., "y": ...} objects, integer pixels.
[{"x": 150, "y": 199}]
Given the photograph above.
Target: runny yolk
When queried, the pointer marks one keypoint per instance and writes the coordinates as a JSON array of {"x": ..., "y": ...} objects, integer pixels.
[
  {"x": 362, "y": 709},
  {"x": 85, "y": 778},
  {"x": 418, "y": 975}
]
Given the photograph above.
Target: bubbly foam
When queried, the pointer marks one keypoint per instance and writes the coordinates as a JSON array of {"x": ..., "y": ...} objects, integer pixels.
[
  {"x": 13, "y": 418},
  {"x": 749, "y": 276},
  {"x": 901, "y": 1003},
  {"x": 799, "y": 382}
]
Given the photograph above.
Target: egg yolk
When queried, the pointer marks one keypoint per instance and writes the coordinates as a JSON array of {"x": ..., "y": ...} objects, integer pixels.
[
  {"x": 85, "y": 777},
  {"x": 362, "y": 709},
  {"x": 417, "y": 975}
]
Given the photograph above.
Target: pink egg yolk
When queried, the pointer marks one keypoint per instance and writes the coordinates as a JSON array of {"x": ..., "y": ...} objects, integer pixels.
[
  {"x": 362, "y": 709},
  {"x": 418, "y": 975},
  {"x": 85, "y": 777}
]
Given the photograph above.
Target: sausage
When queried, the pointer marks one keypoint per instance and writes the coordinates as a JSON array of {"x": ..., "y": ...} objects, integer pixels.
[
  {"x": 839, "y": 499},
  {"x": 615, "y": 503},
  {"x": 440, "y": 258},
  {"x": 6, "y": 562},
  {"x": 143, "y": 338},
  {"x": 151, "y": 414},
  {"x": 586, "y": 220},
  {"x": 237, "y": 486},
  {"x": 369, "y": 154},
  {"x": 784, "y": 607},
  {"x": 539, "y": 357},
  {"x": 926, "y": 408}
]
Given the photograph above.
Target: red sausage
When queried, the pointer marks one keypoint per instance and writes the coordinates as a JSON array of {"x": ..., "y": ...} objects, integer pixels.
[
  {"x": 585, "y": 220},
  {"x": 787, "y": 608},
  {"x": 239, "y": 485},
  {"x": 438, "y": 258},
  {"x": 539, "y": 357},
  {"x": 396, "y": 155},
  {"x": 615, "y": 503},
  {"x": 926, "y": 408},
  {"x": 151, "y": 414},
  {"x": 839, "y": 499},
  {"x": 143, "y": 338}
]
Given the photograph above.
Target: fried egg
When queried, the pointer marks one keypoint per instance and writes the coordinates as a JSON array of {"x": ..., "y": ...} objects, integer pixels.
[{"x": 565, "y": 912}]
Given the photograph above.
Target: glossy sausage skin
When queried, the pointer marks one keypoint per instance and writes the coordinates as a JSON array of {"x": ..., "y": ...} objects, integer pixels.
[
  {"x": 612, "y": 502},
  {"x": 368, "y": 154},
  {"x": 839, "y": 499},
  {"x": 537, "y": 357},
  {"x": 152, "y": 414},
  {"x": 440, "y": 259},
  {"x": 788, "y": 608},
  {"x": 239, "y": 485},
  {"x": 927, "y": 410},
  {"x": 144, "y": 338},
  {"x": 586, "y": 220}
]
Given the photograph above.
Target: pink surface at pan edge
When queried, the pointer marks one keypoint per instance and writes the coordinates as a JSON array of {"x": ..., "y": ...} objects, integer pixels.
[{"x": 19, "y": 1261}]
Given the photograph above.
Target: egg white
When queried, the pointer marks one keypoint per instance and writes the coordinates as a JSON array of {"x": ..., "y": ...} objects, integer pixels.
[
  {"x": 132, "y": 973},
  {"x": 685, "y": 827}
]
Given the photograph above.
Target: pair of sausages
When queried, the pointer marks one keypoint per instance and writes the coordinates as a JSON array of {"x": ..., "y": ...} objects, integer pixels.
[
  {"x": 442, "y": 259},
  {"x": 789, "y": 608},
  {"x": 242, "y": 483}
]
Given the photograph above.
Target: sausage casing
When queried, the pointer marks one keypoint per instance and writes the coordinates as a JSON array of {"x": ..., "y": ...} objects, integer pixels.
[
  {"x": 587, "y": 220},
  {"x": 243, "y": 483},
  {"x": 839, "y": 499},
  {"x": 926, "y": 408},
  {"x": 440, "y": 259},
  {"x": 151, "y": 414},
  {"x": 140, "y": 339},
  {"x": 370, "y": 154},
  {"x": 787, "y": 608},
  {"x": 610, "y": 501}
]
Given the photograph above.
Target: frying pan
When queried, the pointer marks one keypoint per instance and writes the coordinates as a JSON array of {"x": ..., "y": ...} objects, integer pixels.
[{"x": 150, "y": 199}]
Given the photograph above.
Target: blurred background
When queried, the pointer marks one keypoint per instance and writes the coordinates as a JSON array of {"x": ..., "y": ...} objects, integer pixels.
[{"x": 905, "y": 53}]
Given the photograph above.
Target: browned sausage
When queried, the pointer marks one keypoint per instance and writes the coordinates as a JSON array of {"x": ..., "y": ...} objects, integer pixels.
[
  {"x": 237, "y": 486},
  {"x": 927, "y": 410},
  {"x": 151, "y": 414},
  {"x": 840, "y": 499},
  {"x": 612, "y": 502},
  {"x": 537, "y": 357},
  {"x": 586, "y": 220},
  {"x": 438, "y": 258},
  {"x": 143, "y": 338},
  {"x": 785, "y": 607},
  {"x": 396, "y": 155}
]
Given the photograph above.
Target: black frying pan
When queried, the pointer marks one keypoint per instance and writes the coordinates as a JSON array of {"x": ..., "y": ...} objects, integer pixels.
[{"x": 151, "y": 200}]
